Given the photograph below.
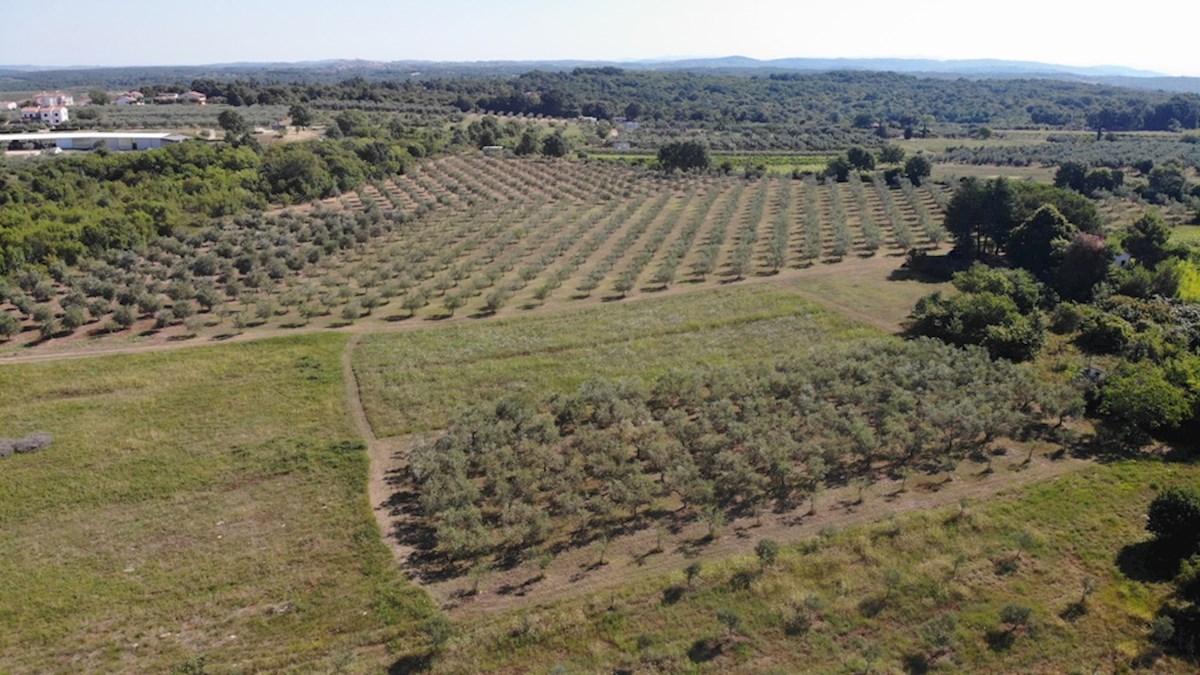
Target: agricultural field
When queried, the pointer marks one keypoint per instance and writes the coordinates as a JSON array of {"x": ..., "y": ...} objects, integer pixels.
[
  {"x": 175, "y": 117},
  {"x": 912, "y": 592},
  {"x": 908, "y": 574},
  {"x": 196, "y": 505},
  {"x": 476, "y": 237},
  {"x": 778, "y": 163}
]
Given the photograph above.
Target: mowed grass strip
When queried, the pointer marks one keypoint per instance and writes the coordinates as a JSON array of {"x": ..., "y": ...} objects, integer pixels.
[
  {"x": 860, "y": 599},
  {"x": 412, "y": 382},
  {"x": 194, "y": 503}
]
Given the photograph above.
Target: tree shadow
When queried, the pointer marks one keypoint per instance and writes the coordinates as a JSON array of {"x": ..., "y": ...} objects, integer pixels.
[
  {"x": 704, "y": 649},
  {"x": 871, "y": 607},
  {"x": 412, "y": 663},
  {"x": 1073, "y": 612},
  {"x": 1000, "y": 640},
  {"x": 916, "y": 663},
  {"x": 933, "y": 269},
  {"x": 672, "y": 594},
  {"x": 1148, "y": 562}
]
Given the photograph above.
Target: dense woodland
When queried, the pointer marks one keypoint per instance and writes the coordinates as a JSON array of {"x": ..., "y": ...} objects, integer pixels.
[
  {"x": 84, "y": 205},
  {"x": 1051, "y": 271},
  {"x": 838, "y": 98},
  {"x": 797, "y": 111}
]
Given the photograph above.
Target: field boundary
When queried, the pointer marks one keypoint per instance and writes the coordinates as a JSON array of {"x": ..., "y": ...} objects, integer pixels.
[{"x": 385, "y": 460}]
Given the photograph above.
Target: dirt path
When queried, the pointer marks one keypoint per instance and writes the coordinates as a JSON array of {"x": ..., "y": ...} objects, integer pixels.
[{"x": 385, "y": 461}]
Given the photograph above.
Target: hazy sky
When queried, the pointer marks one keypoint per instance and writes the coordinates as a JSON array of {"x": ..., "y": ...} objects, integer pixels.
[{"x": 153, "y": 32}]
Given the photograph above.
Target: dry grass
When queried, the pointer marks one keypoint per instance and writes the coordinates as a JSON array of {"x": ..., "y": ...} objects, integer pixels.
[{"x": 198, "y": 502}]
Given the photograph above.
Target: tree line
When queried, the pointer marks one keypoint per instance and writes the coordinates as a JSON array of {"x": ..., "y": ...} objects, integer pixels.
[
  {"x": 74, "y": 207},
  {"x": 1050, "y": 269}
]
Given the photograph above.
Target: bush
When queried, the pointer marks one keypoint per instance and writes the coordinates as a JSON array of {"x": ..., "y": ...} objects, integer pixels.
[
  {"x": 1066, "y": 318},
  {"x": 9, "y": 325},
  {"x": 767, "y": 551},
  {"x": 1104, "y": 333},
  {"x": 1139, "y": 398},
  {"x": 1174, "y": 518},
  {"x": 1187, "y": 582}
]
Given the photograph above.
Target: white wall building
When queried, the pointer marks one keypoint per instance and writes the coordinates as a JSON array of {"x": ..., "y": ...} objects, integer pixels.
[
  {"x": 89, "y": 140},
  {"x": 53, "y": 115},
  {"x": 53, "y": 98},
  {"x": 129, "y": 98}
]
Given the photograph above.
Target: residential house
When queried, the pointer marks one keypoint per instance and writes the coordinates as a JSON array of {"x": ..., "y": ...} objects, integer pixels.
[
  {"x": 129, "y": 98},
  {"x": 193, "y": 97},
  {"x": 167, "y": 98},
  {"x": 52, "y": 99},
  {"x": 8, "y": 105},
  {"x": 53, "y": 115}
]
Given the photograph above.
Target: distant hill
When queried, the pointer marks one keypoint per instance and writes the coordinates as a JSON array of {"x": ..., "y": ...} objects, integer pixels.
[
  {"x": 988, "y": 67},
  {"x": 27, "y": 77}
]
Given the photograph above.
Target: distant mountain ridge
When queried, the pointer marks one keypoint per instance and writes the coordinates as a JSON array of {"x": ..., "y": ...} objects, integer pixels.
[
  {"x": 907, "y": 65},
  {"x": 19, "y": 77}
]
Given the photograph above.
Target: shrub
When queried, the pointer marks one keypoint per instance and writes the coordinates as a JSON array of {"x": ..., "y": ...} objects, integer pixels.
[
  {"x": 1187, "y": 582},
  {"x": 767, "y": 551},
  {"x": 1138, "y": 399},
  {"x": 9, "y": 325},
  {"x": 1015, "y": 616},
  {"x": 124, "y": 316},
  {"x": 1174, "y": 518},
  {"x": 1104, "y": 333}
]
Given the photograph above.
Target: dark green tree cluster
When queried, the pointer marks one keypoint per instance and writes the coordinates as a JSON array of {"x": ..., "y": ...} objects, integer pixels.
[
  {"x": 983, "y": 214},
  {"x": 1133, "y": 114},
  {"x": 1078, "y": 177},
  {"x": 516, "y": 473},
  {"x": 1174, "y": 520},
  {"x": 683, "y": 156},
  {"x": 1152, "y": 390},
  {"x": 1000, "y": 310},
  {"x": 77, "y": 206}
]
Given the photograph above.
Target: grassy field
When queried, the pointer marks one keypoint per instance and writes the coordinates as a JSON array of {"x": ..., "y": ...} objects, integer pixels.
[
  {"x": 951, "y": 173},
  {"x": 860, "y": 599},
  {"x": 1189, "y": 234},
  {"x": 775, "y": 163},
  {"x": 199, "y": 503},
  {"x": 412, "y": 381}
]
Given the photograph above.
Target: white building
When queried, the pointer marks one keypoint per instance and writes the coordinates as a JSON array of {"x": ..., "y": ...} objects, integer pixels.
[
  {"x": 129, "y": 98},
  {"x": 53, "y": 99},
  {"x": 89, "y": 140},
  {"x": 53, "y": 115},
  {"x": 8, "y": 105}
]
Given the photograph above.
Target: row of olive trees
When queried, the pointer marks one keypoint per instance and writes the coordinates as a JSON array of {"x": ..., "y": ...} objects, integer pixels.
[{"x": 521, "y": 471}]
